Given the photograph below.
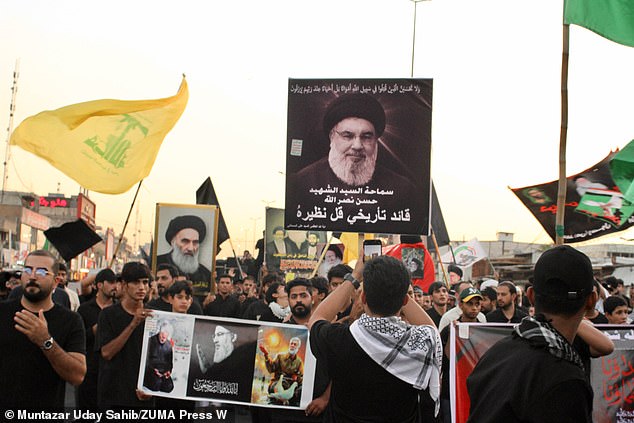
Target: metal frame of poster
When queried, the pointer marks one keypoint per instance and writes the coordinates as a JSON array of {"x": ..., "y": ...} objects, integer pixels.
[
  {"x": 612, "y": 376},
  {"x": 358, "y": 155},
  {"x": 182, "y": 215},
  {"x": 296, "y": 261},
  {"x": 594, "y": 204},
  {"x": 222, "y": 359}
]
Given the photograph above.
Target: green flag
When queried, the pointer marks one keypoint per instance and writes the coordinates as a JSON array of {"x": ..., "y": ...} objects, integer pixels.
[
  {"x": 612, "y": 19},
  {"x": 622, "y": 169}
]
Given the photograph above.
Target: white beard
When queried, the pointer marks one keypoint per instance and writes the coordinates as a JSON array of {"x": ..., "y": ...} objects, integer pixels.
[
  {"x": 187, "y": 264},
  {"x": 351, "y": 173},
  {"x": 222, "y": 352}
]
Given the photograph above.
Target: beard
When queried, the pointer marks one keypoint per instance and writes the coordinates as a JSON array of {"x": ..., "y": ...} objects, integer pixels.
[
  {"x": 188, "y": 264},
  {"x": 221, "y": 352},
  {"x": 352, "y": 173},
  {"x": 300, "y": 310},
  {"x": 37, "y": 296}
]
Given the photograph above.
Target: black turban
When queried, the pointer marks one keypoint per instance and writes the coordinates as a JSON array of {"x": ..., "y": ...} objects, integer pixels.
[
  {"x": 181, "y": 222},
  {"x": 362, "y": 106}
]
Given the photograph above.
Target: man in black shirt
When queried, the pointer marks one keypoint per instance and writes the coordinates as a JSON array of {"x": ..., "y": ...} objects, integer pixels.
[
  {"x": 506, "y": 311},
  {"x": 225, "y": 304},
  {"x": 42, "y": 344},
  {"x": 535, "y": 375},
  {"x": 439, "y": 297},
  {"x": 386, "y": 362},
  {"x": 107, "y": 287}
]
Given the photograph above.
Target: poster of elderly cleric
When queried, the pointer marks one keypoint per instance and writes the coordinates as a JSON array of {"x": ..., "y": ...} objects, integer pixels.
[
  {"x": 229, "y": 360},
  {"x": 185, "y": 237},
  {"x": 358, "y": 155},
  {"x": 295, "y": 252}
]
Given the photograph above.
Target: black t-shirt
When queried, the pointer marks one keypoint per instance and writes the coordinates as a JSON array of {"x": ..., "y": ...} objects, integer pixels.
[
  {"x": 28, "y": 380},
  {"x": 600, "y": 319},
  {"x": 435, "y": 316},
  {"x": 89, "y": 312},
  {"x": 516, "y": 382},
  {"x": 497, "y": 316},
  {"x": 256, "y": 310},
  {"x": 162, "y": 305},
  {"x": 223, "y": 307},
  {"x": 118, "y": 377},
  {"x": 362, "y": 390}
]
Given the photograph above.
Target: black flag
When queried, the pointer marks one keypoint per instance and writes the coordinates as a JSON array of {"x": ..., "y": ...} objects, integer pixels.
[
  {"x": 72, "y": 238},
  {"x": 437, "y": 221},
  {"x": 206, "y": 195}
]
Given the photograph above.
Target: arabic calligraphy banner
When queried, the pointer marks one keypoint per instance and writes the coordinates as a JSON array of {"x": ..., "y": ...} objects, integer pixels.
[
  {"x": 358, "y": 155},
  {"x": 611, "y": 377},
  {"x": 208, "y": 358},
  {"x": 594, "y": 204},
  {"x": 295, "y": 252}
]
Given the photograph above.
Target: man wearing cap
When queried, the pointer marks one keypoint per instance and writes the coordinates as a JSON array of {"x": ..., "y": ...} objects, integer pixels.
[
  {"x": 536, "y": 375},
  {"x": 469, "y": 305},
  {"x": 107, "y": 286},
  {"x": 455, "y": 312},
  {"x": 353, "y": 124},
  {"x": 184, "y": 234}
]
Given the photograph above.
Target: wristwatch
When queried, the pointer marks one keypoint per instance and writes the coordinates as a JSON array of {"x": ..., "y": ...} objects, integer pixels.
[
  {"x": 349, "y": 277},
  {"x": 48, "y": 344}
]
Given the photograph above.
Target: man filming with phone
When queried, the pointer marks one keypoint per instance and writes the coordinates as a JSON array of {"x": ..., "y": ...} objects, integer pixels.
[{"x": 382, "y": 351}]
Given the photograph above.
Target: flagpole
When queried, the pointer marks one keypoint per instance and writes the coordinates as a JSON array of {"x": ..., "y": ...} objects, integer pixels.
[
  {"x": 442, "y": 267},
  {"x": 125, "y": 225},
  {"x": 563, "y": 135}
]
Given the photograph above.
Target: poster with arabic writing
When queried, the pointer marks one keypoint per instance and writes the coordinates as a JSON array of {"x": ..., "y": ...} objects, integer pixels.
[
  {"x": 229, "y": 360},
  {"x": 358, "y": 155}
]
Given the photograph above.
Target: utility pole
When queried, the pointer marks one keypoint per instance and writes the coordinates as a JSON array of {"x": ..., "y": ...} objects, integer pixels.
[{"x": 7, "y": 151}]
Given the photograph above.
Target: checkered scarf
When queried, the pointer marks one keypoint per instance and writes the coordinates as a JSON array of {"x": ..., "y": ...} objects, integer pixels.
[
  {"x": 411, "y": 353},
  {"x": 541, "y": 334}
]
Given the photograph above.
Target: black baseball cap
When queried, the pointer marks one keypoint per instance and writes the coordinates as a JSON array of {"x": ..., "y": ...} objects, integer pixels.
[{"x": 563, "y": 272}]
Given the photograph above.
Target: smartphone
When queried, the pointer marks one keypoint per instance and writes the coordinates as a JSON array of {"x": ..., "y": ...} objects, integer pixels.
[{"x": 371, "y": 249}]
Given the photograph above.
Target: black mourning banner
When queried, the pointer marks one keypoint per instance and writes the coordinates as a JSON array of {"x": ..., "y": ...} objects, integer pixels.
[
  {"x": 72, "y": 238},
  {"x": 358, "y": 155},
  {"x": 594, "y": 204}
]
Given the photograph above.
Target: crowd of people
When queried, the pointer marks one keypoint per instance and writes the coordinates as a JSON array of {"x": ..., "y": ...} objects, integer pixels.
[{"x": 381, "y": 342}]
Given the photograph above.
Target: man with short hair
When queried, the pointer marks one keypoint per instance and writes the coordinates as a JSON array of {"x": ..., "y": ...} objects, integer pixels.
[
  {"x": 615, "y": 309},
  {"x": 320, "y": 290},
  {"x": 439, "y": 295},
  {"x": 119, "y": 339},
  {"x": 535, "y": 374},
  {"x": 335, "y": 279},
  {"x": 489, "y": 299},
  {"x": 106, "y": 292},
  {"x": 62, "y": 281},
  {"x": 419, "y": 295},
  {"x": 42, "y": 344},
  {"x": 225, "y": 304},
  {"x": 165, "y": 277},
  {"x": 287, "y": 372},
  {"x": 184, "y": 234},
  {"x": 381, "y": 350},
  {"x": 506, "y": 311}
]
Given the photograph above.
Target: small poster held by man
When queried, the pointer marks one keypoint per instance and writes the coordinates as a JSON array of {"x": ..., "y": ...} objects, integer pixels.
[{"x": 358, "y": 155}]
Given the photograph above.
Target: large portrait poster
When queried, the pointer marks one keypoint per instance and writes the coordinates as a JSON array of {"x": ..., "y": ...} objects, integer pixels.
[
  {"x": 594, "y": 204},
  {"x": 358, "y": 155},
  {"x": 294, "y": 252},
  {"x": 228, "y": 360},
  {"x": 185, "y": 237}
]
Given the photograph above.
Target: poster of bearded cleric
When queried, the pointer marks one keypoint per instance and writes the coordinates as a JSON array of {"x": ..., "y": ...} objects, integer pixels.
[
  {"x": 358, "y": 155},
  {"x": 296, "y": 253},
  {"x": 229, "y": 360},
  {"x": 185, "y": 238}
]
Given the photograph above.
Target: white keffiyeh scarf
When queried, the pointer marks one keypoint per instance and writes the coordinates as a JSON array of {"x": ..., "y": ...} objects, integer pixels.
[{"x": 411, "y": 353}]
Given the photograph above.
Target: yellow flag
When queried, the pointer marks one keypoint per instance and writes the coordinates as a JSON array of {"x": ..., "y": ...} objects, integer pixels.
[
  {"x": 351, "y": 242},
  {"x": 105, "y": 145}
]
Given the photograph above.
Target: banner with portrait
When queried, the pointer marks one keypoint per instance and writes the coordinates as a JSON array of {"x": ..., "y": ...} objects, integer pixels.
[
  {"x": 594, "y": 204},
  {"x": 185, "y": 237},
  {"x": 229, "y": 360},
  {"x": 294, "y": 252},
  {"x": 358, "y": 155},
  {"x": 611, "y": 376}
]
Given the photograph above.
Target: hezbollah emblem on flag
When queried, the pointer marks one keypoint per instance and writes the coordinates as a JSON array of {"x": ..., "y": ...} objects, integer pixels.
[{"x": 105, "y": 145}]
